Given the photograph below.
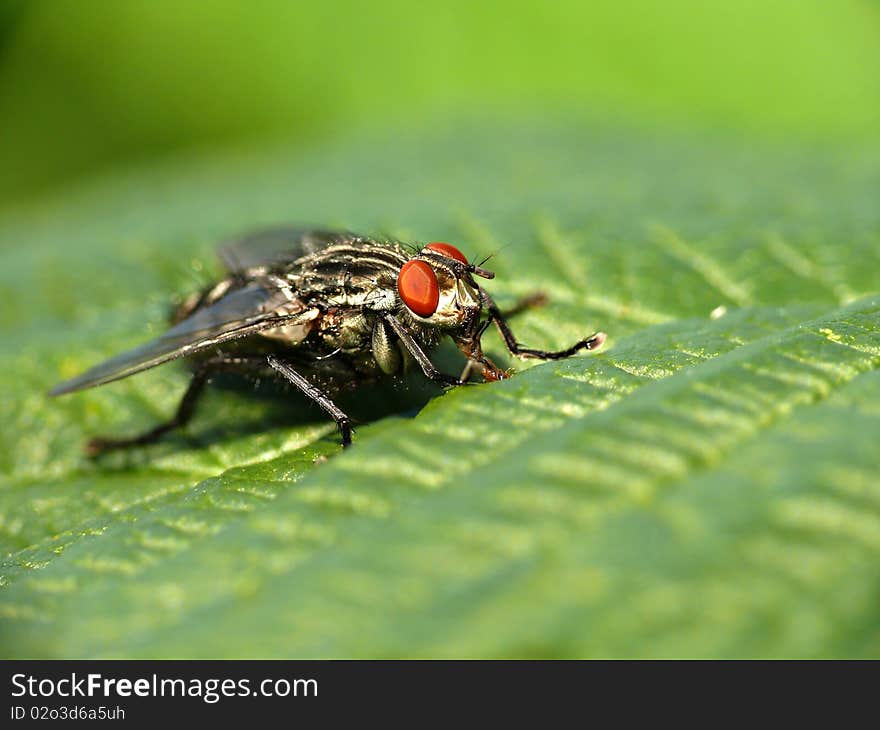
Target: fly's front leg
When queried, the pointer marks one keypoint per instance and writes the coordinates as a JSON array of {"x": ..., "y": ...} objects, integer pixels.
[
  {"x": 315, "y": 394},
  {"x": 496, "y": 316},
  {"x": 470, "y": 367},
  {"x": 419, "y": 355},
  {"x": 483, "y": 364}
]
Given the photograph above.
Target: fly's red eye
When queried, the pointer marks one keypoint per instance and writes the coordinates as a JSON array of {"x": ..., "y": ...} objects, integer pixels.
[
  {"x": 417, "y": 286},
  {"x": 447, "y": 249}
]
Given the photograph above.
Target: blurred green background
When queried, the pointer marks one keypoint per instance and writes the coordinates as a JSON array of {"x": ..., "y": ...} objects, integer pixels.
[{"x": 89, "y": 85}]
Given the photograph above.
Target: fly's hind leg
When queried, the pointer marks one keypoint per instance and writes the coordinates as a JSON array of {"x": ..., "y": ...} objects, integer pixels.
[
  {"x": 538, "y": 299},
  {"x": 315, "y": 394},
  {"x": 185, "y": 410}
]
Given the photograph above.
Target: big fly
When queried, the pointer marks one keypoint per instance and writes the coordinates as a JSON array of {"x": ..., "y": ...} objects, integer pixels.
[{"x": 324, "y": 311}]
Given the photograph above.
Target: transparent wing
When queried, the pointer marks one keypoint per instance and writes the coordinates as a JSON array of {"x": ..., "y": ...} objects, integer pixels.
[
  {"x": 276, "y": 246},
  {"x": 239, "y": 313}
]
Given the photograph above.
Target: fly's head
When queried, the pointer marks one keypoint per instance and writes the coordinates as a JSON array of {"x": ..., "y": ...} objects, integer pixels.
[{"x": 437, "y": 288}]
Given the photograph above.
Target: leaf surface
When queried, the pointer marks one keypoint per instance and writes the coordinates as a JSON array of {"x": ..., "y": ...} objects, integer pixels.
[{"x": 706, "y": 485}]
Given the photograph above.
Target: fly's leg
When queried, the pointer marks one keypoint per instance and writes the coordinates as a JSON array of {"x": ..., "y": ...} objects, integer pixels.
[
  {"x": 187, "y": 407},
  {"x": 185, "y": 410},
  {"x": 470, "y": 367},
  {"x": 496, "y": 316},
  {"x": 315, "y": 394},
  {"x": 419, "y": 355},
  {"x": 538, "y": 299}
]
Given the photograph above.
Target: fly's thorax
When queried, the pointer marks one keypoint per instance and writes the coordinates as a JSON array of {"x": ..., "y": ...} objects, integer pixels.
[
  {"x": 356, "y": 274},
  {"x": 346, "y": 327}
]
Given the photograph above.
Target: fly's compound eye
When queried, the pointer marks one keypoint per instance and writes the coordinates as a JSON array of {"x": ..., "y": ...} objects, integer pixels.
[
  {"x": 418, "y": 287},
  {"x": 447, "y": 249}
]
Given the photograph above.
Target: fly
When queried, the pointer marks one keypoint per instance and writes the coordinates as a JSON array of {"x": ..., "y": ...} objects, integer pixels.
[{"x": 323, "y": 311}]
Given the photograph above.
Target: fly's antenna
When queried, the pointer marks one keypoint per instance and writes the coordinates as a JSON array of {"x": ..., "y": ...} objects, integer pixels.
[
  {"x": 485, "y": 273},
  {"x": 480, "y": 271}
]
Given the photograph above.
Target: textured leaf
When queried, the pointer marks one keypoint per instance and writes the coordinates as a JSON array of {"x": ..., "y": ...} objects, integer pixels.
[{"x": 705, "y": 486}]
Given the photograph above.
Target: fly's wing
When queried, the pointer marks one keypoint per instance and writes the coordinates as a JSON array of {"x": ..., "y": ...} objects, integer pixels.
[
  {"x": 239, "y": 313},
  {"x": 277, "y": 246}
]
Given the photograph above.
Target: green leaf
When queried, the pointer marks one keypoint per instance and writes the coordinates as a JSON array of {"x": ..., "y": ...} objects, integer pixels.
[{"x": 705, "y": 486}]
